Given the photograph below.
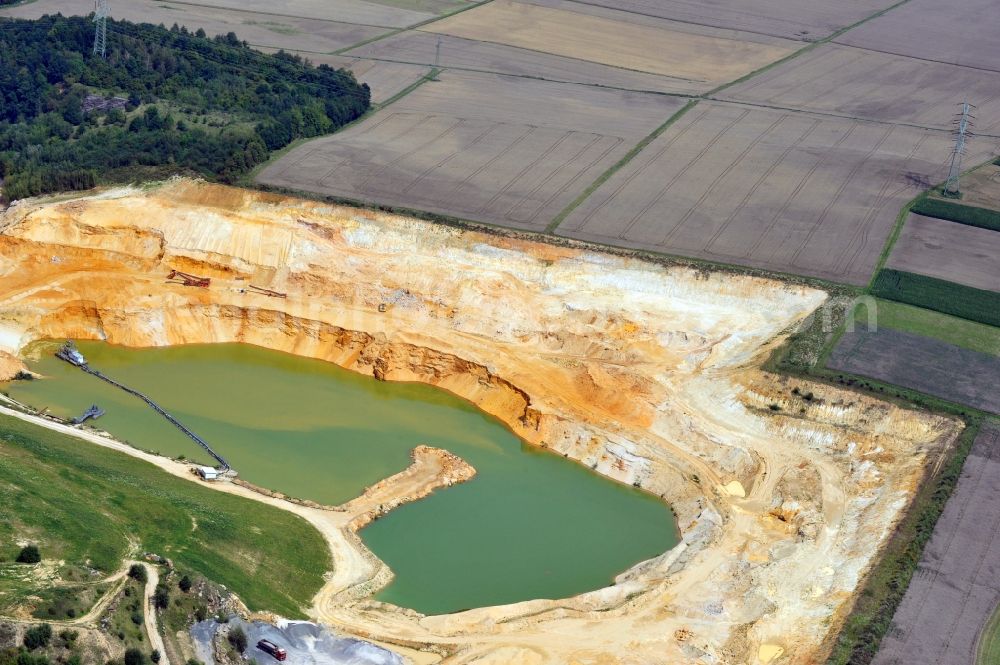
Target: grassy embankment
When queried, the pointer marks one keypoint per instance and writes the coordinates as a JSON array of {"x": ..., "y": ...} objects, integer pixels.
[
  {"x": 83, "y": 504},
  {"x": 988, "y": 652}
]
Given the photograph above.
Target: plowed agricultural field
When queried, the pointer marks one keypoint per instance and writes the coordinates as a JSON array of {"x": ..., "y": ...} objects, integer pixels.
[
  {"x": 960, "y": 32},
  {"x": 954, "y": 590},
  {"x": 478, "y": 146},
  {"x": 798, "y": 19},
  {"x": 696, "y": 54},
  {"x": 949, "y": 251},
  {"x": 781, "y": 190},
  {"x": 879, "y": 86},
  {"x": 921, "y": 363},
  {"x": 427, "y": 48}
]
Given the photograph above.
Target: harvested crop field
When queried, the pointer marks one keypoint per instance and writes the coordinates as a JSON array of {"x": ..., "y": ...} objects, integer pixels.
[
  {"x": 921, "y": 363},
  {"x": 484, "y": 147},
  {"x": 259, "y": 29},
  {"x": 780, "y": 190},
  {"x": 695, "y": 54},
  {"x": 467, "y": 54},
  {"x": 959, "y": 32},
  {"x": 950, "y": 251},
  {"x": 793, "y": 19},
  {"x": 954, "y": 590},
  {"x": 879, "y": 86}
]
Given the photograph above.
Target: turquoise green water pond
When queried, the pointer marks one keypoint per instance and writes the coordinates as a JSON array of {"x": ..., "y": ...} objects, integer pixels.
[{"x": 530, "y": 525}]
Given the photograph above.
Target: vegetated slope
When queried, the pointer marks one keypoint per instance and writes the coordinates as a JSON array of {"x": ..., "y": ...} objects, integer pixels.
[
  {"x": 82, "y": 504},
  {"x": 211, "y": 106}
]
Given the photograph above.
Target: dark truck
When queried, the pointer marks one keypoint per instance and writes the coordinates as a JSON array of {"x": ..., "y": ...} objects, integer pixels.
[{"x": 273, "y": 649}]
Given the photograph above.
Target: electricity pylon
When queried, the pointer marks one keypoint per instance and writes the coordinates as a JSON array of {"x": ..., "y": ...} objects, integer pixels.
[
  {"x": 101, "y": 12},
  {"x": 962, "y": 132}
]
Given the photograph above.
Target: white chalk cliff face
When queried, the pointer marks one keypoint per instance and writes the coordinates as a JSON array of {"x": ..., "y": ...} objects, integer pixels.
[{"x": 649, "y": 374}]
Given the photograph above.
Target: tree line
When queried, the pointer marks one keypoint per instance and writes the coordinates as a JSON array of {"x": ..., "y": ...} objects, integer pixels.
[{"x": 209, "y": 106}]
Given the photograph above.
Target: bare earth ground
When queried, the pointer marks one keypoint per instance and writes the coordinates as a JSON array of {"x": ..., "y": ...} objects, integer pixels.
[
  {"x": 649, "y": 374},
  {"x": 617, "y": 39},
  {"x": 960, "y": 32},
  {"x": 921, "y": 363},
  {"x": 954, "y": 590},
  {"x": 781, "y": 190},
  {"x": 793, "y": 19},
  {"x": 414, "y": 46},
  {"x": 866, "y": 84},
  {"x": 496, "y": 149},
  {"x": 949, "y": 251}
]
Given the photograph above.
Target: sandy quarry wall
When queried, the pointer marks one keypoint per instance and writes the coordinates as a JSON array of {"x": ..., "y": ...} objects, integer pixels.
[{"x": 648, "y": 374}]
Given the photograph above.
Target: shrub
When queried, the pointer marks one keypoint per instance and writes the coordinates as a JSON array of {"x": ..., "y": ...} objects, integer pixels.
[
  {"x": 37, "y": 636},
  {"x": 154, "y": 656},
  {"x": 238, "y": 638},
  {"x": 161, "y": 597},
  {"x": 185, "y": 584},
  {"x": 137, "y": 618},
  {"x": 134, "y": 657},
  {"x": 138, "y": 572},
  {"x": 29, "y": 554}
]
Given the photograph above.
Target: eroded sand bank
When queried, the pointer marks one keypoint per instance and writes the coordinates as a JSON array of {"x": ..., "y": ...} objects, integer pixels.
[{"x": 648, "y": 374}]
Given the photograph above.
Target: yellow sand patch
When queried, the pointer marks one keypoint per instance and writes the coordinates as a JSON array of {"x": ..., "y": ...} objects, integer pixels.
[
  {"x": 734, "y": 488},
  {"x": 669, "y": 52},
  {"x": 769, "y": 652}
]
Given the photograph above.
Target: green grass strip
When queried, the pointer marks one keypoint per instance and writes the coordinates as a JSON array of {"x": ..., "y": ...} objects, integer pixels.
[
  {"x": 988, "y": 652},
  {"x": 83, "y": 504},
  {"x": 604, "y": 177},
  {"x": 965, "y": 302},
  {"x": 957, "y": 212},
  {"x": 950, "y": 329}
]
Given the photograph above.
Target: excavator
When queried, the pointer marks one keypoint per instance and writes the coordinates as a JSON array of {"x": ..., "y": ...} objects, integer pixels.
[{"x": 188, "y": 279}]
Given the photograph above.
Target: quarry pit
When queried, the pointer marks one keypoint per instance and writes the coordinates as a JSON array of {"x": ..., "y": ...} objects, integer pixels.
[{"x": 649, "y": 374}]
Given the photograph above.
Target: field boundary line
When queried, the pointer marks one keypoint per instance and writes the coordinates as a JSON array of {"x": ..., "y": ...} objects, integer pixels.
[
  {"x": 686, "y": 22},
  {"x": 614, "y": 168},
  {"x": 805, "y": 49},
  {"x": 897, "y": 228},
  {"x": 527, "y": 77},
  {"x": 559, "y": 55},
  {"x": 916, "y": 57},
  {"x": 395, "y": 31},
  {"x": 237, "y": 10}
]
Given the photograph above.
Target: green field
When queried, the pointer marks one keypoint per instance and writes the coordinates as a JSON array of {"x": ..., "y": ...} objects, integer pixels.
[
  {"x": 939, "y": 295},
  {"x": 957, "y": 212},
  {"x": 82, "y": 504},
  {"x": 988, "y": 652},
  {"x": 953, "y": 330}
]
